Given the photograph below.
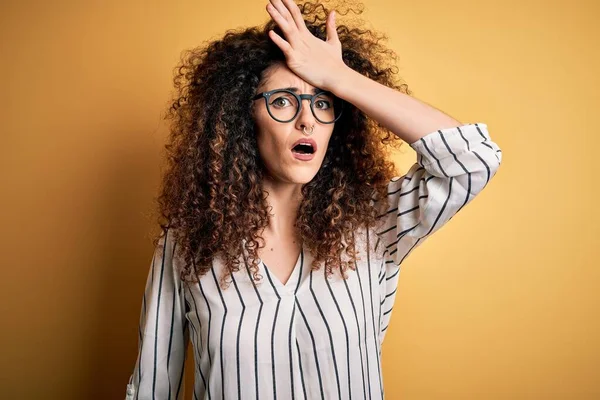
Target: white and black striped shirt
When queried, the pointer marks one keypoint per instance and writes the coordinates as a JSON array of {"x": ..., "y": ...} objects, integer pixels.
[{"x": 311, "y": 338}]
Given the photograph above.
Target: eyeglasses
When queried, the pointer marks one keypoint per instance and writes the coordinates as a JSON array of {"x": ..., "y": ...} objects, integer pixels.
[{"x": 284, "y": 105}]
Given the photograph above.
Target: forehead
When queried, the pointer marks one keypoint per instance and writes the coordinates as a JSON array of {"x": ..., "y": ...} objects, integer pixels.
[{"x": 279, "y": 76}]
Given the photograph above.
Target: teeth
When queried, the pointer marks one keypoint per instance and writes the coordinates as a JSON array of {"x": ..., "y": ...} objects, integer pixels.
[
  {"x": 302, "y": 150},
  {"x": 304, "y": 143}
]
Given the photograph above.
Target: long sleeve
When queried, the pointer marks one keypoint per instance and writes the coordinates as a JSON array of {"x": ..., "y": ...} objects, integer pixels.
[
  {"x": 163, "y": 330},
  {"x": 453, "y": 166}
]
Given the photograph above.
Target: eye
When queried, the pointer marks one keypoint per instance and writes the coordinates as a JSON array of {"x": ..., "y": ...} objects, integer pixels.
[
  {"x": 323, "y": 101},
  {"x": 327, "y": 103},
  {"x": 281, "y": 101}
]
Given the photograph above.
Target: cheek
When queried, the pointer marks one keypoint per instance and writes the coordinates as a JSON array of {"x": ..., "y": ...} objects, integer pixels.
[
  {"x": 328, "y": 141},
  {"x": 270, "y": 144}
]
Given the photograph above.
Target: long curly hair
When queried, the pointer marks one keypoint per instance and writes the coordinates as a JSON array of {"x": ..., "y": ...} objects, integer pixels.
[{"x": 211, "y": 200}]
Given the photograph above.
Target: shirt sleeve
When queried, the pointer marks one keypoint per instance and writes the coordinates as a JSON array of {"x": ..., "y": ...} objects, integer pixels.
[
  {"x": 453, "y": 166},
  {"x": 163, "y": 330}
]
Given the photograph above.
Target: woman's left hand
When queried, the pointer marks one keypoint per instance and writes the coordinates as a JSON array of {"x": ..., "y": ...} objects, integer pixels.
[{"x": 316, "y": 61}]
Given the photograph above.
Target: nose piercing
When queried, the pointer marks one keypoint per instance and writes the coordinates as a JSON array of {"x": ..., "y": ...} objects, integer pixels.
[{"x": 311, "y": 129}]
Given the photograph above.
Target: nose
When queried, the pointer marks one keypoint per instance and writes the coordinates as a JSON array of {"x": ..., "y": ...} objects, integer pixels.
[{"x": 305, "y": 115}]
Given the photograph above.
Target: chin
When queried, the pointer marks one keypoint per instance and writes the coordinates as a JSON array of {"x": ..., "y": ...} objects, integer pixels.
[
  {"x": 304, "y": 179},
  {"x": 304, "y": 176}
]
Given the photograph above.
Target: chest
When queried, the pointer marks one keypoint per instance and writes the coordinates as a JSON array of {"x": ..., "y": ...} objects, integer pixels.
[
  {"x": 280, "y": 257},
  {"x": 311, "y": 313},
  {"x": 308, "y": 313}
]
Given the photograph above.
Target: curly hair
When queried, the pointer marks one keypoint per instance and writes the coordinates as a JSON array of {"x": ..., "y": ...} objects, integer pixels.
[{"x": 211, "y": 199}]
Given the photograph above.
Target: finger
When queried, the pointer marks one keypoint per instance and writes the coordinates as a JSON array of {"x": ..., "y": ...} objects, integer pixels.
[
  {"x": 280, "y": 42},
  {"x": 283, "y": 24},
  {"x": 284, "y": 12},
  {"x": 332, "y": 36},
  {"x": 296, "y": 14}
]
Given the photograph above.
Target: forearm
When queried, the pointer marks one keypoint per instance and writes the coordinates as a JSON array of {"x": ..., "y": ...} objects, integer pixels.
[{"x": 407, "y": 117}]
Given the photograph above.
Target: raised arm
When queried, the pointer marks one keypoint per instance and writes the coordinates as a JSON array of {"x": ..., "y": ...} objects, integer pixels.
[{"x": 453, "y": 166}]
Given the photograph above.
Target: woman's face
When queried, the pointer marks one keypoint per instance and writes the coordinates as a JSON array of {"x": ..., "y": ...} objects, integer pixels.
[{"x": 275, "y": 139}]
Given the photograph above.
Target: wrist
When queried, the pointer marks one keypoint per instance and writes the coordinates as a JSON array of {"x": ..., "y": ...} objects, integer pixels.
[{"x": 339, "y": 78}]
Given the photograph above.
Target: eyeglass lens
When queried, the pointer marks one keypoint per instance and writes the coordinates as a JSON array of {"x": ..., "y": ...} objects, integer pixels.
[{"x": 283, "y": 106}]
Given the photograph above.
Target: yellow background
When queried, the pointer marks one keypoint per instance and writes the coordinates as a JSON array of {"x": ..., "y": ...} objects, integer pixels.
[{"x": 502, "y": 303}]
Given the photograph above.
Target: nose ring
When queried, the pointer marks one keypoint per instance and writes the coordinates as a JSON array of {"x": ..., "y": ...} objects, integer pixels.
[{"x": 311, "y": 129}]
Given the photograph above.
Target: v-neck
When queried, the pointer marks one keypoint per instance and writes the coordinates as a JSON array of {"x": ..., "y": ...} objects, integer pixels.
[{"x": 293, "y": 278}]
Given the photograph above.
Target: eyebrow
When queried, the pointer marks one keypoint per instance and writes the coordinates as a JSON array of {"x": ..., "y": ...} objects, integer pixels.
[{"x": 295, "y": 89}]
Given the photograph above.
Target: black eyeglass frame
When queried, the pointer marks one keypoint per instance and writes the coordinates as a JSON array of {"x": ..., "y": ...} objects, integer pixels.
[{"x": 299, "y": 97}]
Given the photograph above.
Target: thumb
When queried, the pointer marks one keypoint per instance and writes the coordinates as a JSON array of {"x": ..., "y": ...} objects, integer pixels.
[{"x": 331, "y": 31}]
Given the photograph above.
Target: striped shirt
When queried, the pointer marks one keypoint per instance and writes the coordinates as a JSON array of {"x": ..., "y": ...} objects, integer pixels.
[{"x": 312, "y": 337}]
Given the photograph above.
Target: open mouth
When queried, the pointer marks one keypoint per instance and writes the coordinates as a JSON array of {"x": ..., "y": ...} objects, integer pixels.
[{"x": 303, "y": 148}]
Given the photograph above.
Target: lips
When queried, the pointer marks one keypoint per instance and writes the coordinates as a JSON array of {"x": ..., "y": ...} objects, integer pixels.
[{"x": 305, "y": 141}]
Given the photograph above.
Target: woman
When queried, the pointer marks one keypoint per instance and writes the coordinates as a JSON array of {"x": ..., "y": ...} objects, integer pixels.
[{"x": 327, "y": 222}]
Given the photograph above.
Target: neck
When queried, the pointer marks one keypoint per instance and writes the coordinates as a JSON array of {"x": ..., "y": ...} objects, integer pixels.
[{"x": 284, "y": 200}]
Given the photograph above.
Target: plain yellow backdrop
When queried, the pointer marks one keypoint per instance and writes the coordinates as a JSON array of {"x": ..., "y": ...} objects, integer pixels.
[{"x": 502, "y": 303}]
